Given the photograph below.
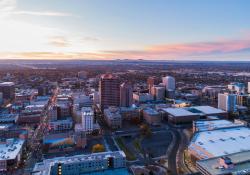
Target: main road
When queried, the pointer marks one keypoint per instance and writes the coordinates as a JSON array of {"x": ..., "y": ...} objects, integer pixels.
[{"x": 172, "y": 165}]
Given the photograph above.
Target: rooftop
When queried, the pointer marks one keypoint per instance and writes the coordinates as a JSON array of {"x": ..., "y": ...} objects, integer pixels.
[
  {"x": 206, "y": 125},
  {"x": 151, "y": 111},
  {"x": 10, "y": 149},
  {"x": 221, "y": 141},
  {"x": 240, "y": 160},
  {"x": 7, "y": 84},
  {"x": 43, "y": 168},
  {"x": 112, "y": 112},
  {"x": 194, "y": 110},
  {"x": 178, "y": 112},
  {"x": 208, "y": 109},
  {"x": 6, "y": 118},
  {"x": 5, "y": 126}
]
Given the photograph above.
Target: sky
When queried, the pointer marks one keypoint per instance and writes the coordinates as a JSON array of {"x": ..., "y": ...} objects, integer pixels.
[{"x": 209, "y": 30}]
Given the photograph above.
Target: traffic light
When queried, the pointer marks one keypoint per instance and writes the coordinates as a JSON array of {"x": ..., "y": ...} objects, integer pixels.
[{"x": 59, "y": 168}]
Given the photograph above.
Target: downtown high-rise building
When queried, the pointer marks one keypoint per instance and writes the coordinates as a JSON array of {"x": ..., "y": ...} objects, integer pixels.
[
  {"x": 109, "y": 87},
  {"x": 169, "y": 82},
  {"x": 227, "y": 102},
  {"x": 8, "y": 90},
  {"x": 158, "y": 92},
  {"x": 87, "y": 119},
  {"x": 248, "y": 87},
  {"x": 126, "y": 94},
  {"x": 151, "y": 81}
]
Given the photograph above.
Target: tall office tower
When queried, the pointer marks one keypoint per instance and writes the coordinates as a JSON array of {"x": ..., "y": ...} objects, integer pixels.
[
  {"x": 169, "y": 82},
  {"x": 158, "y": 92},
  {"x": 109, "y": 88},
  {"x": 126, "y": 95},
  {"x": 151, "y": 81},
  {"x": 8, "y": 90},
  {"x": 248, "y": 87},
  {"x": 87, "y": 119},
  {"x": 227, "y": 102}
]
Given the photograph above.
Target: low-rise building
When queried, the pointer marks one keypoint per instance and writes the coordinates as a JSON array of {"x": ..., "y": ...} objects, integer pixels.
[
  {"x": 61, "y": 125},
  {"x": 52, "y": 113},
  {"x": 25, "y": 95},
  {"x": 142, "y": 97},
  {"x": 64, "y": 111},
  {"x": 65, "y": 141},
  {"x": 8, "y": 118},
  {"x": 10, "y": 153},
  {"x": 212, "y": 91},
  {"x": 235, "y": 164},
  {"x": 30, "y": 117},
  {"x": 113, "y": 117},
  {"x": 151, "y": 116},
  {"x": 129, "y": 113},
  {"x": 219, "y": 142},
  {"x": 243, "y": 100},
  {"x": 81, "y": 164},
  {"x": 8, "y": 131},
  {"x": 189, "y": 114},
  {"x": 208, "y": 125}
]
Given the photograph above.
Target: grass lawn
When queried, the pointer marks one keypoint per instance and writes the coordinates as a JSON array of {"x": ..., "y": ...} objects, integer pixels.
[
  {"x": 130, "y": 156},
  {"x": 137, "y": 145}
]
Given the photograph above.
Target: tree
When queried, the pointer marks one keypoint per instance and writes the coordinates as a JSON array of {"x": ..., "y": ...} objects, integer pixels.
[
  {"x": 98, "y": 148},
  {"x": 145, "y": 130},
  {"x": 151, "y": 172},
  {"x": 135, "y": 120}
]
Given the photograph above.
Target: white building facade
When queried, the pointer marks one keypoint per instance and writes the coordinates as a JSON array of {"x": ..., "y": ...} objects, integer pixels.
[
  {"x": 87, "y": 119},
  {"x": 227, "y": 102},
  {"x": 169, "y": 82}
]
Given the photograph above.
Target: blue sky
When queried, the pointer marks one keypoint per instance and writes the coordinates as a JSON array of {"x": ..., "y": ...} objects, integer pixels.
[{"x": 110, "y": 29}]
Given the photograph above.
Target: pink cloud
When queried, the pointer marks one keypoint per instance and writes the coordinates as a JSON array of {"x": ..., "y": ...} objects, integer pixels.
[
  {"x": 221, "y": 48},
  {"x": 202, "y": 47},
  {"x": 175, "y": 51}
]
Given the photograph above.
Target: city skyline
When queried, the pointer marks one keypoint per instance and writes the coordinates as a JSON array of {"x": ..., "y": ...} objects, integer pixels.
[{"x": 107, "y": 30}]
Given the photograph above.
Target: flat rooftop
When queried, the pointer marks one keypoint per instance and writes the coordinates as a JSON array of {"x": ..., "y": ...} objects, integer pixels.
[
  {"x": 178, "y": 112},
  {"x": 240, "y": 160},
  {"x": 206, "y": 125},
  {"x": 5, "y": 126},
  {"x": 43, "y": 168},
  {"x": 151, "y": 111},
  {"x": 194, "y": 110},
  {"x": 221, "y": 142},
  {"x": 10, "y": 149},
  {"x": 208, "y": 109},
  {"x": 7, "y": 84},
  {"x": 5, "y": 118}
]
